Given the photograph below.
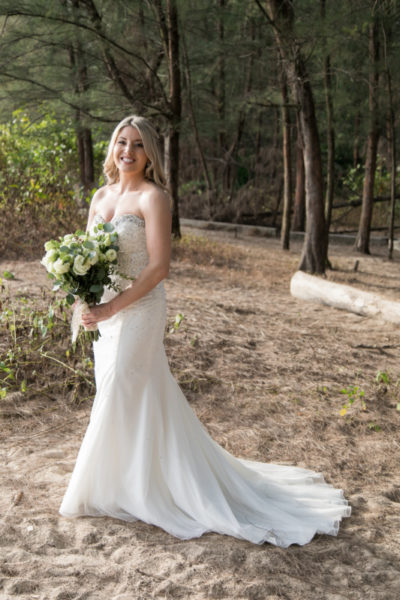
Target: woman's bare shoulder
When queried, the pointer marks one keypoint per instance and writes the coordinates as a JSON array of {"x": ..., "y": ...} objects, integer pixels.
[{"x": 154, "y": 198}]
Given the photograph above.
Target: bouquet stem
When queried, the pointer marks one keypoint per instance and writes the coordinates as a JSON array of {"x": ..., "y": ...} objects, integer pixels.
[{"x": 92, "y": 332}]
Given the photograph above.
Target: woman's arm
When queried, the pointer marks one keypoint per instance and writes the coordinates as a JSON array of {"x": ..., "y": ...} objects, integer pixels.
[{"x": 155, "y": 209}]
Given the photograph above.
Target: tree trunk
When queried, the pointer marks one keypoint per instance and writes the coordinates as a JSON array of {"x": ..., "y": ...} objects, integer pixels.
[
  {"x": 314, "y": 254},
  {"x": 300, "y": 199},
  {"x": 287, "y": 162},
  {"x": 344, "y": 297},
  {"x": 330, "y": 133},
  {"x": 81, "y": 86},
  {"x": 391, "y": 126},
  {"x": 362, "y": 241},
  {"x": 171, "y": 154},
  {"x": 176, "y": 109}
]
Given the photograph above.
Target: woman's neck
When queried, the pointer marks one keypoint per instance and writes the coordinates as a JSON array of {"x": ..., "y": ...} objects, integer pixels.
[{"x": 130, "y": 182}]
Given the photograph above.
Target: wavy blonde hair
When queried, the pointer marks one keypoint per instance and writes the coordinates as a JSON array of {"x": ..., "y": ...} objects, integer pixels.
[{"x": 154, "y": 170}]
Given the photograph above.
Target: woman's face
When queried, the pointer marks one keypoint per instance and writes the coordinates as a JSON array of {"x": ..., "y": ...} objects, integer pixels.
[{"x": 128, "y": 153}]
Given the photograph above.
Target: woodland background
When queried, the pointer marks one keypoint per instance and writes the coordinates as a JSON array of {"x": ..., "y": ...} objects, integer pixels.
[{"x": 277, "y": 112}]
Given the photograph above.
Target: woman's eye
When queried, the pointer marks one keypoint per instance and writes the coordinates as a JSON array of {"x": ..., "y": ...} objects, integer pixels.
[{"x": 121, "y": 142}]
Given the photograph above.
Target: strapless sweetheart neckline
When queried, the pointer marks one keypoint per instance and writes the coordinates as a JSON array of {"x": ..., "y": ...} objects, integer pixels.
[{"x": 121, "y": 216}]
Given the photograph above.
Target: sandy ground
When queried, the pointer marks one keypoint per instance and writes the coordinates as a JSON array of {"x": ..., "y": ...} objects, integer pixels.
[{"x": 263, "y": 371}]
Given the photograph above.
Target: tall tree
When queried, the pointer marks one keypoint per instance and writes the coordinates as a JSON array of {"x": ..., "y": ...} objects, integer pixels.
[
  {"x": 299, "y": 216},
  {"x": 363, "y": 235},
  {"x": 287, "y": 159},
  {"x": 168, "y": 23},
  {"x": 330, "y": 131},
  {"x": 81, "y": 87},
  {"x": 281, "y": 17},
  {"x": 387, "y": 34}
]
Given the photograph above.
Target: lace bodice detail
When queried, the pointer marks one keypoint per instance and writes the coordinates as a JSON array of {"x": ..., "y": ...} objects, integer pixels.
[{"x": 132, "y": 254}]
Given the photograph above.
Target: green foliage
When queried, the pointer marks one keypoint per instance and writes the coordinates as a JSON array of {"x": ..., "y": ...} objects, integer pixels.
[
  {"x": 36, "y": 356},
  {"x": 38, "y": 160},
  {"x": 8, "y": 275},
  {"x": 354, "y": 393},
  {"x": 385, "y": 386},
  {"x": 382, "y": 377},
  {"x": 354, "y": 178},
  {"x": 177, "y": 322}
]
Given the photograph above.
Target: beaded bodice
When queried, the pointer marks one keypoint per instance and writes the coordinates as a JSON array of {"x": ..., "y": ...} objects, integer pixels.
[{"x": 132, "y": 254}]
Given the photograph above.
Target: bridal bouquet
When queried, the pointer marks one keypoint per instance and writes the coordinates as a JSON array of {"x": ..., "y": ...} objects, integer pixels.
[{"x": 82, "y": 264}]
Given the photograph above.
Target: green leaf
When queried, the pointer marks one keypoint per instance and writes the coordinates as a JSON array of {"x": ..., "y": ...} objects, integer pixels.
[
  {"x": 100, "y": 274},
  {"x": 70, "y": 299},
  {"x": 88, "y": 244},
  {"x": 8, "y": 275},
  {"x": 57, "y": 285},
  {"x": 108, "y": 227},
  {"x": 382, "y": 377},
  {"x": 97, "y": 287},
  {"x": 24, "y": 386}
]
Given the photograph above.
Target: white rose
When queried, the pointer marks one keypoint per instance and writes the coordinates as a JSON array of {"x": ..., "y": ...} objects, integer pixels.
[
  {"x": 48, "y": 258},
  {"x": 68, "y": 238},
  {"x": 79, "y": 267},
  {"x": 111, "y": 255},
  {"x": 50, "y": 245},
  {"x": 59, "y": 267},
  {"x": 94, "y": 258},
  {"x": 52, "y": 255},
  {"x": 45, "y": 261}
]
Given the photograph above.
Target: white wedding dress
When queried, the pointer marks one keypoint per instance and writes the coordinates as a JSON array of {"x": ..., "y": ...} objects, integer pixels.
[{"x": 146, "y": 456}]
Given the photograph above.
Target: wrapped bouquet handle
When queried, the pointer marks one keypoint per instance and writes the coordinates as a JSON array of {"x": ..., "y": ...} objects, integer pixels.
[{"x": 80, "y": 308}]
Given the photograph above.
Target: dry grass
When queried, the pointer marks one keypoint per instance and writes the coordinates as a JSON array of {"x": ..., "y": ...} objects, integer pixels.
[{"x": 264, "y": 372}]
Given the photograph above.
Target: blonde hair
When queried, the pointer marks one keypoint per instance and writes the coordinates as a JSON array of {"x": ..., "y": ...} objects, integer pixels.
[{"x": 154, "y": 170}]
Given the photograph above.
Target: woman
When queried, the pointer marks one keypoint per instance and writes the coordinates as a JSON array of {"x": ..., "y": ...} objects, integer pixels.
[{"x": 145, "y": 455}]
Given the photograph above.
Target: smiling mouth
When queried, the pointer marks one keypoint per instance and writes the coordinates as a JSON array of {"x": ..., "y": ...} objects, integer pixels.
[{"x": 127, "y": 160}]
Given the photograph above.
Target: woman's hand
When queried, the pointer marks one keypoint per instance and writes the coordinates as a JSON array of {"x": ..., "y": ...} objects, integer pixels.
[{"x": 100, "y": 312}]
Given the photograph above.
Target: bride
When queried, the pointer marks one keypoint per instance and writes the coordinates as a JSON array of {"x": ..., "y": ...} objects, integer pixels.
[{"x": 145, "y": 455}]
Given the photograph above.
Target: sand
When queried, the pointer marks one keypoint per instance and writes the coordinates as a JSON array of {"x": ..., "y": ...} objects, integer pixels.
[{"x": 264, "y": 372}]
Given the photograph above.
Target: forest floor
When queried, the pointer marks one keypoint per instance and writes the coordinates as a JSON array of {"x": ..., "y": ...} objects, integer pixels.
[{"x": 265, "y": 374}]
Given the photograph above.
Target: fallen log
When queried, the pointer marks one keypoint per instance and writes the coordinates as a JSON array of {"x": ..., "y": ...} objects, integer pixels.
[{"x": 344, "y": 297}]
